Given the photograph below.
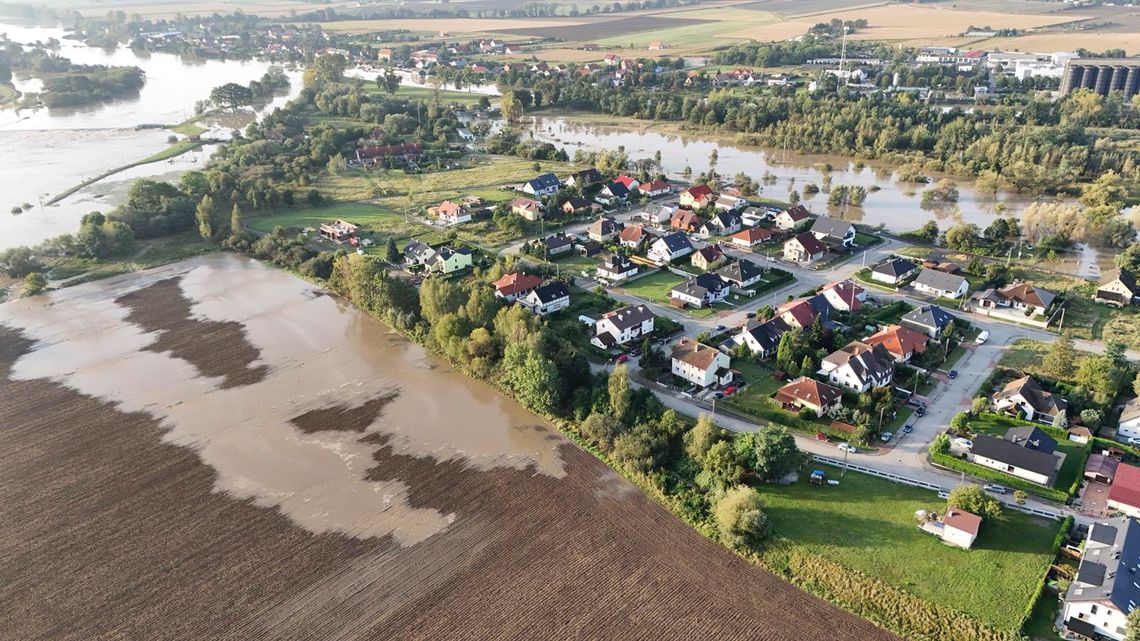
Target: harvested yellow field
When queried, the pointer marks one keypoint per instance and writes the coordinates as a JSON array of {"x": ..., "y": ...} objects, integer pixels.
[
  {"x": 1067, "y": 41},
  {"x": 449, "y": 25},
  {"x": 903, "y": 22},
  {"x": 158, "y": 9}
]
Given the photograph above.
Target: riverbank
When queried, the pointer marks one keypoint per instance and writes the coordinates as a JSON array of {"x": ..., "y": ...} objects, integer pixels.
[{"x": 174, "y": 150}]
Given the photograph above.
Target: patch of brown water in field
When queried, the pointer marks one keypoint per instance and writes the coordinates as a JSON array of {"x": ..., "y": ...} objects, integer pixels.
[{"x": 317, "y": 355}]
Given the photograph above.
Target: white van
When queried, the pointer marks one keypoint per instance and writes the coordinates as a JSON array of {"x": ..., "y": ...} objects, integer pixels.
[{"x": 982, "y": 338}]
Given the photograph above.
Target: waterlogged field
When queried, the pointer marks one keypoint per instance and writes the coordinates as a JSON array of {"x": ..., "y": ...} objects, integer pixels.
[{"x": 218, "y": 450}]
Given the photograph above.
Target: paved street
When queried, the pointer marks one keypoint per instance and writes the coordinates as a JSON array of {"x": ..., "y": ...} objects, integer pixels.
[{"x": 907, "y": 455}]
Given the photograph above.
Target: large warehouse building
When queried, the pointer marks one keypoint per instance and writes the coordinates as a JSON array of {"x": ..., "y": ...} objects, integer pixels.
[{"x": 1102, "y": 75}]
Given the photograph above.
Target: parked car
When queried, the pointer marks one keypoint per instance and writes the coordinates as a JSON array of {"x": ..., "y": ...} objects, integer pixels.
[
  {"x": 847, "y": 447},
  {"x": 820, "y": 436},
  {"x": 720, "y": 328},
  {"x": 964, "y": 442},
  {"x": 953, "y": 374},
  {"x": 635, "y": 352},
  {"x": 886, "y": 437},
  {"x": 1133, "y": 440},
  {"x": 907, "y": 429},
  {"x": 920, "y": 410},
  {"x": 622, "y": 358},
  {"x": 718, "y": 395},
  {"x": 994, "y": 488},
  {"x": 982, "y": 338},
  {"x": 730, "y": 390},
  {"x": 750, "y": 315}
]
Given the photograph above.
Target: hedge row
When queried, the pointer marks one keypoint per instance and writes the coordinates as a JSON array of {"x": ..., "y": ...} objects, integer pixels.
[
  {"x": 958, "y": 465},
  {"x": 1058, "y": 541}
]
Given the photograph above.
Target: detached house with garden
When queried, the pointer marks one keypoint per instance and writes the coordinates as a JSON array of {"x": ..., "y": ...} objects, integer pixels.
[
  {"x": 859, "y": 367},
  {"x": 1105, "y": 589},
  {"x": 1026, "y": 396},
  {"x": 622, "y": 326},
  {"x": 700, "y": 364}
]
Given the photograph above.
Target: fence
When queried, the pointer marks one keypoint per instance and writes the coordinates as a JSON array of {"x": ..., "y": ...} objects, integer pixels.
[{"x": 873, "y": 472}]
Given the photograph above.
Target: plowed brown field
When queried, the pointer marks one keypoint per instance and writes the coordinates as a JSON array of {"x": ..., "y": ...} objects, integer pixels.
[{"x": 112, "y": 527}]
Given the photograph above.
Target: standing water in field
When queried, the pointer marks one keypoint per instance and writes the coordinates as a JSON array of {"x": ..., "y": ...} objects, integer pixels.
[{"x": 292, "y": 411}]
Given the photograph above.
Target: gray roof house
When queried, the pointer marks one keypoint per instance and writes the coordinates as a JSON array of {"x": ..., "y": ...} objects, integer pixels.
[
  {"x": 1016, "y": 459},
  {"x": 833, "y": 231},
  {"x": 1105, "y": 589},
  {"x": 741, "y": 273},
  {"x": 928, "y": 319},
  {"x": 941, "y": 284},
  {"x": 893, "y": 271}
]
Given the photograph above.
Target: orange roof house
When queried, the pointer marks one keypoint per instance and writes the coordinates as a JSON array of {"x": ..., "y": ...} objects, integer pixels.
[{"x": 901, "y": 342}]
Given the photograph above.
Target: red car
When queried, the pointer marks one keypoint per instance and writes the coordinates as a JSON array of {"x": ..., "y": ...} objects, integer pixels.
[
  {"x": 820, "y": 436},
  {"x": 730, "y": 390},
  {"x": 623, "y": 358}
]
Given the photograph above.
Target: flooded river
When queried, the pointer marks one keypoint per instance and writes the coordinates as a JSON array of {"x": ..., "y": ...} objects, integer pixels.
[
  {"x": 45, "y": 152},
  {"x": 352, "y": 384},
  {"x": 896, "y": 204}
]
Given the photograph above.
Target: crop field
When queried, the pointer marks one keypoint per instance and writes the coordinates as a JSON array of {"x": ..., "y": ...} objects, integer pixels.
[
  {"x": 218, "y": 450},
  {"x": 868, "y": 524},
  {"x": 591, "y": 29}
]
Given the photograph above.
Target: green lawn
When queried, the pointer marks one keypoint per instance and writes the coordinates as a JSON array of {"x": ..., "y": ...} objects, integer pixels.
[
  {"x": 1074, "y": 452},
  {"x": 891, "y": 313},
  {"x": 1027, "y": 355},
  {"x": 868, "y": 524},
  {"x": 426, "y": 93},
  {"x": 358, "y": 213}
]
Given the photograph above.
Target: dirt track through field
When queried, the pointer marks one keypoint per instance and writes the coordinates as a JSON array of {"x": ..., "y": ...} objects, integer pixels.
[{"x": 121, "y": 517}]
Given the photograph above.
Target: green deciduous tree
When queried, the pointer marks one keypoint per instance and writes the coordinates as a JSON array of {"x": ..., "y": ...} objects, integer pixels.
[
  {"x": 34, "y": 283},
  {"x": 640, "y": 449},
  {"x": 740, "y": 518},
  {"x": 620, "y": 393},
  {"x": 1060, "y": 361},
  {"x": 972, "y": 499},
  {"x": 601, "y": 429},
  {"x": 231, "y": 96},
  {"x": 204, "y": 215},
  {"x": 721, "y": 467},
  {"x": 700, "y": 439},
  {"x": 770, "y": 452}
]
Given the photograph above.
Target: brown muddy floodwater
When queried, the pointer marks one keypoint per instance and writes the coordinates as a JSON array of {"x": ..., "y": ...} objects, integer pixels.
[
  {"x": 218, "y": 450},
  {"x": 316, "y": 353}
]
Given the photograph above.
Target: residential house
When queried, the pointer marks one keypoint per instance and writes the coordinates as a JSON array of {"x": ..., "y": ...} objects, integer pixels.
[
  {"x": 893, "y": 271},
  {"x": 575, "y": 204},
  {"x": 447, "y": 259},
  {"x": 859, "y": 366},
  {"x": 584, "y": 178},
  {"x": 635, "y": 237},
  {"x": 751, "y": 237},
  {"x": 616, "y": 268},
  {"x": 844, "y": 296},
  {"x": 928, "y": 319},
  {"x": 803, "y": 248},
  {"x": 797, "y": 313},
  {"x": 700, "y": 291},
  {"x": 670, "y": 247},
  {"x": 901, "y": 342},
  {"x": 1032, "y": 437},
  {"x": 762, "y": 338},
  {"x": 542, "y": 185},
  {"x": 450, "y": 213},
  {"x": 700, "y": 364},
  {"x": 629, "y": 182},
  {"x": 511, "y": 286},
  {"x": 752, "y": 216},
  {"x": 1025, "y": 395},
  {"x": 833, "y": 231},
  {"x": 685, "y": 220},
  {"x": 792, "y": 217},
  {"x": 1129, "y": 427},
  {"x": 659, "y": 213},
  {"x": 1023, "y": 297},
  {"x": 708, "y": 257},
  {"x": 465, "y": 134},
  {"x": 622, "y": 326},
  {"x": 602, "y": 229},
  {"x": 417, "y": 253},
  {"x": 726, "y": 202},
  {"x": 957, "y": 527},
  {"x": 810, "y": 393},
  {"x": 612, "y": 194},
  {"x": 557, "y": 244},
  {"x": 654, "y": 188},
  {"x": 528, "y": 208},
  {"x": 1101, "y": 468},
  {"x": 741, "y": 273},
  {"x": 1036, "y": 466},
  {"x": 1120, "y": 290},
  {"x": 547, "y": 299},
  {"x": 1104, "y": 590},
  {"x": 1124, "y": 494},
  {"x": 697, "y": 197},
  {"x": 721, "y": 224},
  {"x": 938, "y": 283},
  {"x": 339, "y": 231}
]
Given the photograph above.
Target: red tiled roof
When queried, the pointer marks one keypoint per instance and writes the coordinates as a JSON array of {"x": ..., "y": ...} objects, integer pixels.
[
  {"x": 625, "y": 180},
  {"x": 511, "y": 284},
  {"x": 962, "y": 520},
  {"x": 656, "y": 185},
  {"x": 699, "y": 191},
  {"x": 801, "y": 312},
  {"x": 810, "y": 391},
  {"x": 1126, "y": 485},
  {"x": 753, "y": 235},
  {"x": 899, "y": 340}
]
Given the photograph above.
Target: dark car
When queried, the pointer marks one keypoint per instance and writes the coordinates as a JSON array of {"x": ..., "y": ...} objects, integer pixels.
[
  {"x": 750, "y": 315},
  {"x": 907, "y": 429},
  {"x": 920, "y": 410},
  {"x": 953, "y": 374}
]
